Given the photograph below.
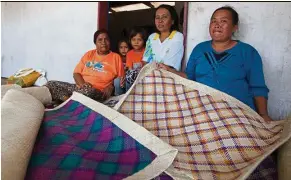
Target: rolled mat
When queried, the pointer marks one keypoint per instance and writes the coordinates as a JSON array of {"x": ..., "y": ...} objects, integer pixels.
[
  {"x": 41, "y": 93},
  {"x": 21, "y": 116}
]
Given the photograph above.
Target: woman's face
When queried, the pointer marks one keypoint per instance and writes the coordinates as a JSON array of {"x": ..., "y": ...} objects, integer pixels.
[
  {"x": 221, "y": 26},
  {"x": 123, "y": 48},
  {"x": 102, "y": 43},
  {"x": 163, "y": 20}
]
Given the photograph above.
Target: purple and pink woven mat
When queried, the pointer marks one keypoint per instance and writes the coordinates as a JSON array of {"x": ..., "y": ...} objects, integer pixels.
[{"x": 76, "y": 142}]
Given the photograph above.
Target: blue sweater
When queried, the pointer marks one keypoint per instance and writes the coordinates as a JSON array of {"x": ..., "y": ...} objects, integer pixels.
[{"x": 237, "y": 71}]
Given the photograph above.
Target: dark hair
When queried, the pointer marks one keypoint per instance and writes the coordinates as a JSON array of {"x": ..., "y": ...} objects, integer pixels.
[
  {"x": 234, "y": 14},
  {"x": 138, "y": 30},
  {"x": 174, "y": 16},
  {"x": 97, "y": 33},
  {"x": 121, "y": 41}
]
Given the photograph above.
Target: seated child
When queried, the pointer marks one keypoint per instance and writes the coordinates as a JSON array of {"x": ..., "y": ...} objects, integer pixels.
[
  {"x": 134, "y": 61},
  {"x": 123, "y": 48}
]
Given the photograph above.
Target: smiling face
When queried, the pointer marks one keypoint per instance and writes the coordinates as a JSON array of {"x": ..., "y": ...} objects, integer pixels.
[
  {"x": 163, "y": 20},
  {"x": 102, "y": 43},
  {"x": 221, "y": 26}
]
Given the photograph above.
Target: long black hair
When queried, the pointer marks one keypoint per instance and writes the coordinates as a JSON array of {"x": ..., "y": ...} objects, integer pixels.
[{"x": 174, "y": 16}]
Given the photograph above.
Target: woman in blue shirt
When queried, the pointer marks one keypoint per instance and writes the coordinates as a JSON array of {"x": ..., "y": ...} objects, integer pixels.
[
  {"x": 232, "y": 67},
  {"x": 228, "y": 65}
]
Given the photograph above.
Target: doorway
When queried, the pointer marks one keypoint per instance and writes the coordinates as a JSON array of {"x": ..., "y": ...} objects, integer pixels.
[{"x": 119, "y": 17}]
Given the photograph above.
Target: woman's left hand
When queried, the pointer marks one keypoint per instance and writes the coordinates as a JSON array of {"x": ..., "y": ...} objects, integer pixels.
[
  {"x": 267, "y": 118},
  {"x": 108, "y": 91},
  {"x": 163, "y": 66}
]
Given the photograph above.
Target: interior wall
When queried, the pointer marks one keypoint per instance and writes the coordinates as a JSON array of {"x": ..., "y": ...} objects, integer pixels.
[
  {"x": 267, "y": 27},
  {"x": 48, "y": 35}
]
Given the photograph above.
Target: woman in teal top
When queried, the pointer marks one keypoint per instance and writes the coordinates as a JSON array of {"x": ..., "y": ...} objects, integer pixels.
[
  {"x": 232, "y": 67},
  {"x": 236, "y": 71},
  {"x": 228, "y": 65}
]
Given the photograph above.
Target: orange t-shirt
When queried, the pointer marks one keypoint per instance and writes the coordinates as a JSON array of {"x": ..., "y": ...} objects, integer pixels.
[
  {"x": 134, "y": 59},
  {"x": 100, "y": 71}
]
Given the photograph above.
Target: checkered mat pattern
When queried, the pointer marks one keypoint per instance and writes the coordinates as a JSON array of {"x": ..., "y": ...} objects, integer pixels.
[
  {"x": 75, "y": 142},
  {"x": 215, "y": 139}
]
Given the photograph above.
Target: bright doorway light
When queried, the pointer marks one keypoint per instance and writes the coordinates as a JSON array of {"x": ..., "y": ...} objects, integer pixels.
[
  {"x": 157, "y": 4},
  {"x": 132, "y": 7}
]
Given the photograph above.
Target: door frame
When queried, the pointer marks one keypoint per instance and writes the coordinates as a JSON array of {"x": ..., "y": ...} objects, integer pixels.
[
  {"x": 103, "y": 19},
  {"x": 185, "y": 26}
]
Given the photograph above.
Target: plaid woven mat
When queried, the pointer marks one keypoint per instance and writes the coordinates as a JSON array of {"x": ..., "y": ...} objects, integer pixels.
[
  {"x": 216, "y": 139},
  {"x": 75, "y": 142}
]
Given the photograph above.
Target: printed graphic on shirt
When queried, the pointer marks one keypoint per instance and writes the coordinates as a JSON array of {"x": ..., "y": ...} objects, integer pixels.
[
  {"x": 149, "y": 52},
  {"x": 96, "y": 66}
]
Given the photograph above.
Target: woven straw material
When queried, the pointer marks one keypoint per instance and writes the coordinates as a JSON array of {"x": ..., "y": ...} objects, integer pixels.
[
  {"x": 217, "y": 136},
  {"x": 41, "y": 93},
  {"x": 21, "y": 116}
]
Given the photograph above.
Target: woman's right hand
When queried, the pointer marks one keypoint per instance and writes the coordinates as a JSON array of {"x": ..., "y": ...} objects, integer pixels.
[
  {"x": 79, "y": 80},
  {"x": 86, "y": 84}
]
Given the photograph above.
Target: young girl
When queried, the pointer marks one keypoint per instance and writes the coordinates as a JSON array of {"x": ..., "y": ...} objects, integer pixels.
[
  {"x": 134, "y": 61},
  {"x": 123, "y": 48}
]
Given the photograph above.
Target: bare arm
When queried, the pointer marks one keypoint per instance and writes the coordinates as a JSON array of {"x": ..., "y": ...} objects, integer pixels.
[
  {"x": 79, "y": 79},
  {"x": 261, "y": 106}
]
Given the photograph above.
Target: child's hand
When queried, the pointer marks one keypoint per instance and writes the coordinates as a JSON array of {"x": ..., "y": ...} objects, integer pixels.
[
  {"x": 122, "y": 81},
  {"x": 108, "y": 91}
]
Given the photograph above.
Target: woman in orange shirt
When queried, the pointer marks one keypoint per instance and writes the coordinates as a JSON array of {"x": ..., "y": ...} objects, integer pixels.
[{"x": 94, "y": 74}]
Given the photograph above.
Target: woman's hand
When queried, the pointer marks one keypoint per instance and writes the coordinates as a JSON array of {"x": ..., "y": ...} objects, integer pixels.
[
  {"x": 261, "y": 106},
  {"x": 171, "y": 69},
  {"x": 79, "y": 79},
  {"x": 163, "y": 66},
  {"x": 108, "y": 91},
  {"x": 267, "y": 118},
  {"x": 86, "y": 84}
]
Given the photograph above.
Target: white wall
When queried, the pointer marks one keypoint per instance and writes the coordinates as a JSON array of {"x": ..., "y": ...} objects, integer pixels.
[
  {"x": 48, "y": 35},
  {"x": 267, "y": 27}
]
